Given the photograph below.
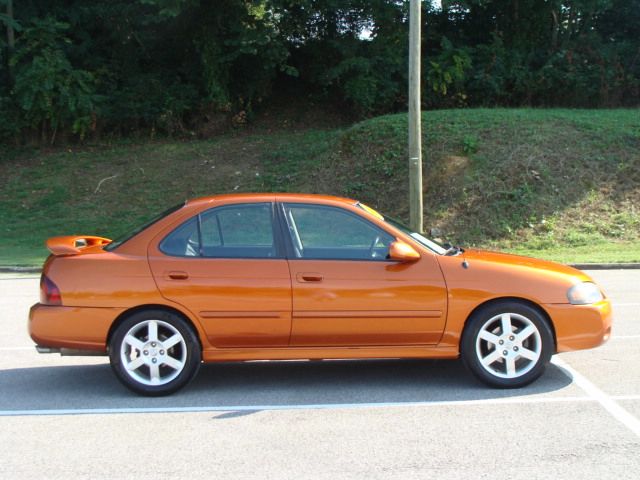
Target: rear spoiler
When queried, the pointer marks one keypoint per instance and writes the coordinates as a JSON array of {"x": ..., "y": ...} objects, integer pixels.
[{"x": 74, "y": 244}]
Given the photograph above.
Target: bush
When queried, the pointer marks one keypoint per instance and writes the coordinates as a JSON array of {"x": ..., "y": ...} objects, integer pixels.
[{"x": 50, "y": 94}]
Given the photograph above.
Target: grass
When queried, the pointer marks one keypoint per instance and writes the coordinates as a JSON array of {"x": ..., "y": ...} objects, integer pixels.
[
  {"x": 510, "y": 174},
  {"x": 614, "y": 252},
  {"x": 107, "y": 190},
  {"x": 556, "y": 184}
]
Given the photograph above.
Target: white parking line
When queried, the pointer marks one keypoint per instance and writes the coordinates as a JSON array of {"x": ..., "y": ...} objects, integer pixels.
[
  {"x": 607, "y": 402},
  {"x": 626, "y": 397},
  {"x": 624, "y": 337},
  {"x": 320, "y": 406},
  {"x": 316, "y": 406}
]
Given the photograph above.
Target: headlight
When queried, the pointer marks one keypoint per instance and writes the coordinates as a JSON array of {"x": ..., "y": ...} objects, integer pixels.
[{"x": 584, "y": 293}]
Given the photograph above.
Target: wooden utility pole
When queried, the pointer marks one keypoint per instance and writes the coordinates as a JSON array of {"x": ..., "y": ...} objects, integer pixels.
[{"x": 415, "y": 121}]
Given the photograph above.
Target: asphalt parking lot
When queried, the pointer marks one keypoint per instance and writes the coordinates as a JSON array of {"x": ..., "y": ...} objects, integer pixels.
[{"x": 65, "y": 417}]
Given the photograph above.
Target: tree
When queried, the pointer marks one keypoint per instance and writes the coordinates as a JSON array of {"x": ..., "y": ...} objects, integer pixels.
[{"x": 11, "y": 25}]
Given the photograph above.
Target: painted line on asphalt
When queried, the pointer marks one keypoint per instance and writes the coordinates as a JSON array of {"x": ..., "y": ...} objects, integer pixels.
[
  {"x": 13, "y": 349},
  {"x": 317, "y": 406},
  {"x": 607, "y": 402},
  {"x": 626, "y": 397},
  {"x": 624, "y": 337},
  {"x": 615, "y": 304}
]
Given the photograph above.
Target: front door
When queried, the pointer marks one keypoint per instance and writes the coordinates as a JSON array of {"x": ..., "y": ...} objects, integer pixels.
[
  {"x": 224, "y": 265},
  {"x": 346, "y": 292}
]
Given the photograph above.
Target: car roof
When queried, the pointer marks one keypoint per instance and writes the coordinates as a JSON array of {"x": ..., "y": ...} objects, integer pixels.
[{"x": 285, "y": 197}]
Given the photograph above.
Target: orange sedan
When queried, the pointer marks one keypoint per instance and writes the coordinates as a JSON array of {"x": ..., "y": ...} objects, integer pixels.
[{"x": 286, "y": 276}]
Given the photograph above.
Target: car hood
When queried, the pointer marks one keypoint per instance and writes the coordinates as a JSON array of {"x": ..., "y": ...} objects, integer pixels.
[
  {"x": 522, "y": 261},
  {"x": 485, "y": 275}
]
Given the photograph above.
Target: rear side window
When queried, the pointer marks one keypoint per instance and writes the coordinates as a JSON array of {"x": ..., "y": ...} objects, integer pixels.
[
  {"x": 129, "y": 235},
  {"x": 237, "y": 231},
  {"x": 183, "y": 241}
]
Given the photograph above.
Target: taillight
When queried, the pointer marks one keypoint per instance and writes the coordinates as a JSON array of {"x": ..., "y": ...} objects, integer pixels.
[{"x": 49, "y": 292}]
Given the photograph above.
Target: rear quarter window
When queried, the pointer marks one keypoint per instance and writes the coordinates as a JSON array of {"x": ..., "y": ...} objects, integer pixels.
[{"x": 236, "y": 231}]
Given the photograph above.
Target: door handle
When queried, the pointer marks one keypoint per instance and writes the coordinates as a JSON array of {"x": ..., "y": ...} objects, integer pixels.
[
  {"x": 178, "y": 275},
  {"x": 309, "y": 277}
]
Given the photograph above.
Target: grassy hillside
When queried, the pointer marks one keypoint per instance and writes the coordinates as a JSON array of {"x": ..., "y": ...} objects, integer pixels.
[
  {"x": 516, "y": 179},
  {"x": 552, "y": 183}
]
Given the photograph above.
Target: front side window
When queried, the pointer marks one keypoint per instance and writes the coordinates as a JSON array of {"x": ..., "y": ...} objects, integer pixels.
[
  {"x": 237, "y": 231},
  {"x": 430, "y": 244},
  {"x": 322, "y": 232}
]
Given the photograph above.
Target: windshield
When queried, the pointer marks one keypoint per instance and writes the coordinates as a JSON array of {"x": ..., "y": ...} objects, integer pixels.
[
  {"x": 430, "y": 244},
  {"x": 132, "y": 233}
]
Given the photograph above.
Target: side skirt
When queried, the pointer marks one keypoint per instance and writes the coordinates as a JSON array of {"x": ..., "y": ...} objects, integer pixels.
[{"x": 321, "y": 353}]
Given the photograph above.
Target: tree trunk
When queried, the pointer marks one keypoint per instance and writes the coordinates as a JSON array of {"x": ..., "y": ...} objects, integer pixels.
[
  {"x": 554, "y": 31},
  {"x": 11, "y": 40}
]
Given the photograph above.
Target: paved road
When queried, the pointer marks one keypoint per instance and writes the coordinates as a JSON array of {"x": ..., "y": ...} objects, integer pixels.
[{"x": 64, "y": 417}]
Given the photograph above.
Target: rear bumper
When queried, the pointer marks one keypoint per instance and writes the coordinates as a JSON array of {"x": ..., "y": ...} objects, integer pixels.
[
  {"x": 78, "y": 328},
  {"x": 579, "y": 327}
]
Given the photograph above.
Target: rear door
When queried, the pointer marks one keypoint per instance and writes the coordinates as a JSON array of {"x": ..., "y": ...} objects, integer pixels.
[
  {"x": 227, "y": 267},
  {"x": 346, "y": 292}
]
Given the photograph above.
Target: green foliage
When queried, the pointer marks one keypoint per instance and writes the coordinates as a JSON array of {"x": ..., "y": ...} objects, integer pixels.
[
  {"x": 447, "y": 71},
  {"x": 367, "y": 84},
  {"x": 7, "y": 21},
  {"x": 176, "y": 67},
  {"x": 51, "y": 93},
  {"x": 562, "y": 53},
  {"x": 240, "y": 52},
  {"x": 353, "y": 52},
  {"x": 10, "y": 124},
  {"x": 149, "y": 101},
  {"x": 167, "y": 8},
  {"x": 470, "y": 144}
]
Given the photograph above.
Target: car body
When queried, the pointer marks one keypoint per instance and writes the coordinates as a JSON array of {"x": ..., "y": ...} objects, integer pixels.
[{"x": 298, "y": 276}]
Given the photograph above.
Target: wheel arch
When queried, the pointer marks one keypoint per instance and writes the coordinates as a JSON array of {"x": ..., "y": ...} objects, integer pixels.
[
  {"x": 141, "y": 308},
  {"x": 524, "y": 301}
]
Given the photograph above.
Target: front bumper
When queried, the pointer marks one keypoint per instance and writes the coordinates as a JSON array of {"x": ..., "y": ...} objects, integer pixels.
[
  {"x": 578, "y": 327},
  {"x": 77, "y": 328}
]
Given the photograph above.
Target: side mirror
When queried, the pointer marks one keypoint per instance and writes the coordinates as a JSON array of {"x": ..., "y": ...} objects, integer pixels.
[{"x": 402, "y": 252}]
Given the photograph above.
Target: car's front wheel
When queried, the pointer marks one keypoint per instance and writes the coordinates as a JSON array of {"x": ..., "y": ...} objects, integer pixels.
[
  {"x": 154, "y": 352},
  {"x": 507, "y": 344}
]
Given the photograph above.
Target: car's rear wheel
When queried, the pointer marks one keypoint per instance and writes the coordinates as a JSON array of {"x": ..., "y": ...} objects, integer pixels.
[
  {"x": 507, "y": 344},
  {"x": 154, "y": 352}
]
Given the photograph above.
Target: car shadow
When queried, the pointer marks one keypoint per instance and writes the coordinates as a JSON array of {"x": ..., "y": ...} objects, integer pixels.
[{"x": 264, "y": 385}]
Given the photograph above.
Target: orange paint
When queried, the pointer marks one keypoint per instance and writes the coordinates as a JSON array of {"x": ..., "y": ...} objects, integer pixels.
[{"x": 286, "y": 307}]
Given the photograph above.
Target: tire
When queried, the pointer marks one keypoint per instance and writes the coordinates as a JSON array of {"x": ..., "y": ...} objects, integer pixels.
[
  {"x": 507, "y": 344},
  {"x": 154, "y": 353}
]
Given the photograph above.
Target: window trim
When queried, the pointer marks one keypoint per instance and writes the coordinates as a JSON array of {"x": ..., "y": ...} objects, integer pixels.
[
  {"x": 199, "y": 226},
  {"x": 278, "y": 244},
  {"x": 290, "y": 249}
]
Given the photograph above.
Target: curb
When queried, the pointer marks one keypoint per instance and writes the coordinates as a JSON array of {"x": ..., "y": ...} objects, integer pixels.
[
  {"x": 605, "y": 266},
  {"x": 9, "y": 269},
  {"x": 579, "y": 266}
]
